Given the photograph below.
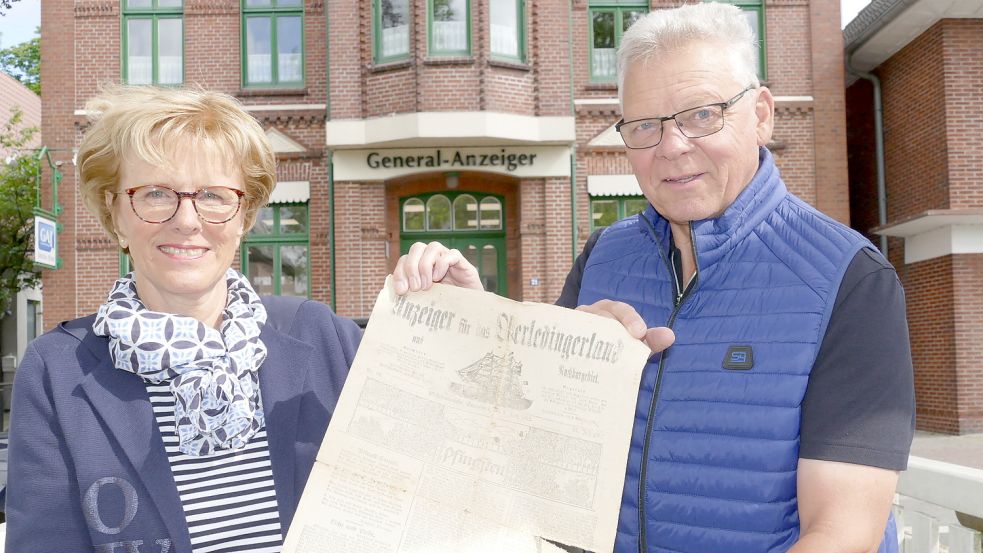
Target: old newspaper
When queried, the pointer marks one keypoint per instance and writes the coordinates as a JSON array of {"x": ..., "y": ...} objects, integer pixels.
[{"x": 472, "y": 423}]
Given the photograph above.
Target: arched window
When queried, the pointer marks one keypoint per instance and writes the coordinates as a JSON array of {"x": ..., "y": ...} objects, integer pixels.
[
  {"x": 413, "y": 218},
  {"x": 465, "y": 212},
  {"x": 438, "y": 213},
  {"x": 472, "y": 222},
  {"x": 491, "y": 213}
]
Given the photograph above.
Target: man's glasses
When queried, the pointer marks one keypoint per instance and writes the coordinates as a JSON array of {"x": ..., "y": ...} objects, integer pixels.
[
  {"x": 693, "y": 123},
  {"x": 158, "y": 204}
]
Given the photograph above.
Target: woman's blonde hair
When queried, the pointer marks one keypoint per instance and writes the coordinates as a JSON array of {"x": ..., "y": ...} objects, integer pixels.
[{"x": 150, "y": 124}]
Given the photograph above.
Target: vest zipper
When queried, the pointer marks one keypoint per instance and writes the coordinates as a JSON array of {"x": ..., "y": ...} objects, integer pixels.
[{"x": 680, "y": 297}]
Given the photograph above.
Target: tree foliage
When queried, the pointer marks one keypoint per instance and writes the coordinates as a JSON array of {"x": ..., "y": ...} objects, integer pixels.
[
  {"x": 23, "y": 62},
  {"x": 17, "y": 200},
  {"x": 5, "y": 6}
]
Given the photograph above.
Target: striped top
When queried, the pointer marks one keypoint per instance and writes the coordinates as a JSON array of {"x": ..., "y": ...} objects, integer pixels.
[{"x": 228, "y": 497}]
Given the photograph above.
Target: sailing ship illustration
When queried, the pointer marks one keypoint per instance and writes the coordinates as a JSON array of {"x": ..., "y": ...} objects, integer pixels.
[{"x": 494, "y": 379}]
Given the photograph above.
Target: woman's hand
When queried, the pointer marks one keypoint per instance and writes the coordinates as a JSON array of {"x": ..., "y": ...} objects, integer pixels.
[
  {"x": 425, "y": 264},
  {"x": 656, "y": 338}
]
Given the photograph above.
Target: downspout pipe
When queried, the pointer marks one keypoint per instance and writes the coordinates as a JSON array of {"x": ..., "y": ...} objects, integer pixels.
[
  {"x": 879, "y": 147},
  {"x": 870, "y": 21}
]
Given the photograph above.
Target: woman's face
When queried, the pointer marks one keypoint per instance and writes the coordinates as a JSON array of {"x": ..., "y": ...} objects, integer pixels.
[{"x": 180, "y": 262}]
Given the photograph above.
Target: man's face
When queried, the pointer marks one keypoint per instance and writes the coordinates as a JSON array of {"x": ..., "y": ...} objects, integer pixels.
[{"x": 689, "y": 179}]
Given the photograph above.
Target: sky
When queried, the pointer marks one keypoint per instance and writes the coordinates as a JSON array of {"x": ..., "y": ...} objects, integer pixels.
[
  {"x": 849, "y": 9},
  {"x": 19, "y": 24}
]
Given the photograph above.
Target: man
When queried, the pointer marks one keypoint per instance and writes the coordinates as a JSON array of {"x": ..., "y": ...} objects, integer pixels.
[{"x": 781, "y": 415}]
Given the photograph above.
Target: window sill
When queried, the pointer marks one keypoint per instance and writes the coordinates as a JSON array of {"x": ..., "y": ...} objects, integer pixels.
[
  {"x": 601, "y": 86},
  {"x": 450, "y": 60},
  {"x": 509, "y": 64},
  {"x": 246, "y": 92},
  {"x": 390, "y": 66}
]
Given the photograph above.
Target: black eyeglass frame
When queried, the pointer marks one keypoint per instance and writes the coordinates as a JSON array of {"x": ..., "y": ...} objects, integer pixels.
[
  {"x": 180, "y": 196},
  {"x": 724, "y": 106}
]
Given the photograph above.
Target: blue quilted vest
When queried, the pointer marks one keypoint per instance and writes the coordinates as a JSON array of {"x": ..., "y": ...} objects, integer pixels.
[{"x": 714, "y": 448}]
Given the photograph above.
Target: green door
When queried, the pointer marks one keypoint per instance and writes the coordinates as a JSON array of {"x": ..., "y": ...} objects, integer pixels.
[{"x": 472, "y": 222}]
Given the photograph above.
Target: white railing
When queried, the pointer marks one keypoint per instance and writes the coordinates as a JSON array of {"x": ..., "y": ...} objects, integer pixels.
[{"x": 930, "y": 494}]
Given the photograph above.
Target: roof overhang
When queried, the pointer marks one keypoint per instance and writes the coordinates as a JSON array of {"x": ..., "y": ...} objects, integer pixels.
[
  {"x": 938, "y": 232},
  {"x": 886, "y": 26},
  {"x": 450, "y": 129}
]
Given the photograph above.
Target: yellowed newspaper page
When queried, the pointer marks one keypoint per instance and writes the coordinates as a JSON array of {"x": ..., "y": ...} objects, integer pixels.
[{"x": 471, "y": 423}]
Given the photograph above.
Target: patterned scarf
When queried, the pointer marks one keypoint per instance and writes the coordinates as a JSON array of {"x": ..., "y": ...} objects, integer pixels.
[{"x": 213, "y": 374}]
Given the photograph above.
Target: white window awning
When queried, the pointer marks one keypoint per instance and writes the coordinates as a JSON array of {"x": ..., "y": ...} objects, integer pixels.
[
  {"x": 289, "y": 192},
  {"x": 613, "y": 185}
]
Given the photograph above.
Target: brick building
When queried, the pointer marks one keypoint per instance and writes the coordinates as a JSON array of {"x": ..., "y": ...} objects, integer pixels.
[
  {"x": 487, "y": 124},
  {"x": 928, "y": 59}
]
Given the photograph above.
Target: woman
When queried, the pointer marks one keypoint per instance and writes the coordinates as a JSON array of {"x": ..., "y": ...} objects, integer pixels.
[{"x": 185, "y": 415}]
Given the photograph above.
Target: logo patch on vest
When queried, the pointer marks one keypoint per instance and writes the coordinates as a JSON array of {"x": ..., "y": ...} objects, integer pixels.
[{"x": 739, "y": 358}]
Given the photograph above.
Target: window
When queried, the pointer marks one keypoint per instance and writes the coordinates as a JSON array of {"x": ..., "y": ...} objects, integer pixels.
[
  {"x": 392, "y": 30},
  {"x": 153, "y": 42},
  {"x": 33, "y": 306},
  {"x": 606, "y": 210},
  {"x": 608, "y": 21},
  {"x": 276, "y": 253},
  {"x": 507, "y": 29},
  {"x": 472, "y": 222},
  {"x": 273, "y": 43},
  {"x": 755, "y": 12},
  {"x": 469, "y": 213},
  {"x": 450, "y": 27}
]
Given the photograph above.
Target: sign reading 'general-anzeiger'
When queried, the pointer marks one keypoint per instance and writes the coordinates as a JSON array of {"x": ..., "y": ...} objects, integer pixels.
[
  {"x": 504, "y": 159},
  {"x": 535, "y": 161}
]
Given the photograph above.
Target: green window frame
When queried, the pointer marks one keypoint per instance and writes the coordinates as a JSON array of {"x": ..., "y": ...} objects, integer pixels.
[
  {"x": 507, "y": 44},
  {"x": 607, "y": 21},
  {"x": 472, "y": 222},
  {"x": 605, "y": 210},
  {"x": 755, "y": 12},
  {"x": 277, "y": 250},
  {"x": 273, "y": 68},
  {"x": 390, "y": 32},
  {"x": 152, "y": 63},
  {"x": 446, "y": 41}
]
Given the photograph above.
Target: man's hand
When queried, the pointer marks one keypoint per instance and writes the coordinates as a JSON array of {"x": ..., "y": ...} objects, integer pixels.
[
  {"x": 426, "y": 264},
  {"x": 843, "y": 508},
  {"x": 656, "y": 338}
]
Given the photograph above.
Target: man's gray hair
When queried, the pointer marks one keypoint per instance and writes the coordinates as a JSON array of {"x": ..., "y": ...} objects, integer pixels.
[{"x": 664, "y": 30}]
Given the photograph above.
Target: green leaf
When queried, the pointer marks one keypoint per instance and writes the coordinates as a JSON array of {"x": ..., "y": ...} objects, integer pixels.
[
  {"x": 23, "y": 62},
  {"x": 17, "y": 200}
]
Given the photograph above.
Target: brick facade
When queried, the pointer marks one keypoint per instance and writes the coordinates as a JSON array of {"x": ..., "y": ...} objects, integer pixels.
[
  {"x": 933, "y": 162},
  {"x": 547, "y": 215}
]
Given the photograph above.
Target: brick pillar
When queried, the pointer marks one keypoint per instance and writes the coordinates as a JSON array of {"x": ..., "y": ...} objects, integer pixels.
[
  {"x": 532, "y": 239},
  {"x": 829, "y": 110},
  {"x": 559, "y": 245},
  {"x": 58, "y": 132},
  {"x": 967, "y": 275}
]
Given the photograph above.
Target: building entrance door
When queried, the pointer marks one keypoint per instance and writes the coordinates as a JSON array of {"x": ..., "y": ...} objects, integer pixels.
[{"x": 471, "y": 222}]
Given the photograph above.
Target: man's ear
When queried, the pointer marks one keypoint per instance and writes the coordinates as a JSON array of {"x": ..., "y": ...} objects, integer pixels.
[{"x": 764, "y": 110}]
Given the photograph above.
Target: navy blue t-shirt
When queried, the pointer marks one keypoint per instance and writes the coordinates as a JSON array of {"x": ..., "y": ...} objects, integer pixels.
[{"x": 859, "y": 406}]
